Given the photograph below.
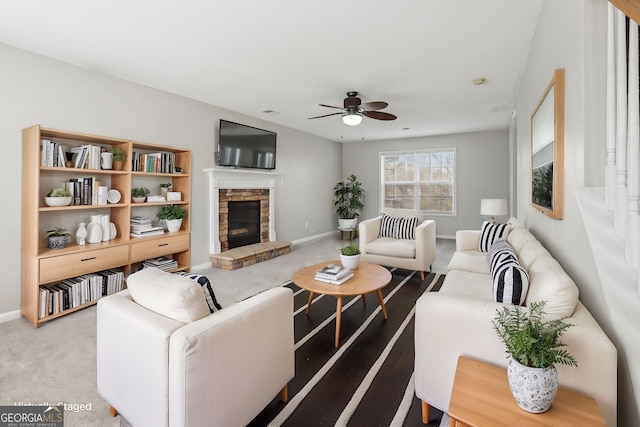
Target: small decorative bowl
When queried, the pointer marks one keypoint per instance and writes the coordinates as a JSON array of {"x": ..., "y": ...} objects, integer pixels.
[{"x": 58, "y": 201}]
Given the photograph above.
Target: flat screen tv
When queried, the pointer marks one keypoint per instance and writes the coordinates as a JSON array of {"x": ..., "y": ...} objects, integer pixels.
[{"x": 244, "y": 146}]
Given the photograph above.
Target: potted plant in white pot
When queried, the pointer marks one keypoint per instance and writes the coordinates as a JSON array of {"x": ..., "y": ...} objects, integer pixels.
[
  {"x": 350, "y": 256},
  {"x": 348, "y": 200},
  {"x": 58, "y": 197},
  {"x": 172, "y": 215},
  {"x": 57, "y": 238},
  {"x": 139, "y": 194},
  {"x": 535, "y": 348}
]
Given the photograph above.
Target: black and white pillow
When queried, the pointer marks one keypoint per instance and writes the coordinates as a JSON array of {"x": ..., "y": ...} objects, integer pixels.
[
  {"x": 500, "y": 258},
  {"x": 490, "y": 233},
  {"x": 207, "y": 289},
  {"x": 498, "y": 246},
  {"x": 406, "y": 228},
  {"x": 387, "y": 226},
  {"x": 510, "y": 283}
]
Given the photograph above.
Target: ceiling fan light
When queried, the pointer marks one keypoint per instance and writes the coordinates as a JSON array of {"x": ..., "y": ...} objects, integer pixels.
[{"x": 352, "y": 119}]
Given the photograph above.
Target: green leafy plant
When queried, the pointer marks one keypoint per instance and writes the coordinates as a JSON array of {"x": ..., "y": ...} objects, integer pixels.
[
  {"x": 118, "y": 154},
  {"x": 139, "y": 192},
  {"x": 57, "y": 232},
  {"x": 170, "y": 212},
  {"x": 530, "y": 340},
  {"x": 350, "y": 250},
  {"x": 349, "y": 196},
  {"x": 58, "y": 192},
  {"x": 165, "y": 185}
]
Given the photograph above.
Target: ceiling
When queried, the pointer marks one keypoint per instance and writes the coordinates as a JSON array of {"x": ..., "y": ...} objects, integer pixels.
[{"x": 288, "y": 56}]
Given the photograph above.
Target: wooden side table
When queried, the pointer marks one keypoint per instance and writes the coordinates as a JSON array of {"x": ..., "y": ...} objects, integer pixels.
[{"x": 481, "y": 397}]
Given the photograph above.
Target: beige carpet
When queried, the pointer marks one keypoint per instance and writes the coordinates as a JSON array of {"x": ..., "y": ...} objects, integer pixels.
[{"x": 55, "y": 364}]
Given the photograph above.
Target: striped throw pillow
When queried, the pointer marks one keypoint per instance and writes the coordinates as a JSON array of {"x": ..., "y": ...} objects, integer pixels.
[
  {"x": 207, "y": 290},
  {"x": 510, "y": 283},
  {"x": 406, "y": 228},
  {"x": 490, "y": 233},
  {"x": 387, "y": 226}
]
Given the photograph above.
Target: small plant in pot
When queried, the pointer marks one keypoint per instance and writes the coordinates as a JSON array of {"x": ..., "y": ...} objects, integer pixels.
[
  {"x": 58, "y": 197},
  {"x": 119, "y": 157},
  {"x": 348, "y": 200},
  {"x": 350, "y": 256},
  {"x": 535, "y": 348},
  {"x": 138, "y": 194},
  {"x": 172, "y": 215},
  {"x": 57, "y": 238}
]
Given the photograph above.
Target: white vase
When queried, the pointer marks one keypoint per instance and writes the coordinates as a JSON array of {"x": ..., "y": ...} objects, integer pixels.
[
  {"x": 533, "y": 388},
  {"x": 81, "y": 234},
  {"x": 347, "y": 224},
  {"x": 112, "y": 231},
  {"x": 351, "y": 262},
  {"x": 174, "y": 224},
  {"x": 94, "y": 229},
  {"x": 106, "y": 229}
]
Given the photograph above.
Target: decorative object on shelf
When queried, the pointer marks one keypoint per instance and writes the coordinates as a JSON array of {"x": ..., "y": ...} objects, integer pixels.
[
  {"x": 172, "y": 215},
  {"x": 113, "y": 196},
  {"x": 57, "y": 238},
  {"x": 106, "y": 229},
  {"x": 174, "y": 196},
  {"x": 119, "y": 157},
  {"x": 113, "y": 232},
  {"x": 535, "y": 347},
  {"x": 58, "y": 197},
  {"x": 139, "y": 194},
  {"x": 164, "y": 189},
  {"x": 492, "y": 207},
  {"x": 81, "y": 234},
  {"x": 350, "y": 256},
  {"x": 349, "y": 196},
  {"x": 94, "y": 229},
  {"x": 106, "y": 160}
]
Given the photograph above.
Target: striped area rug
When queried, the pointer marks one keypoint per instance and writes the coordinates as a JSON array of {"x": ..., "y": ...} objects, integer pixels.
[{"x": 368, "y": 380}]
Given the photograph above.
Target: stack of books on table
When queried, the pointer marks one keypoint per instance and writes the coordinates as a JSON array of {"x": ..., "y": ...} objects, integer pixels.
[
  {"x": 334, "y": 274},
  {"x": 143, "y": 227}
]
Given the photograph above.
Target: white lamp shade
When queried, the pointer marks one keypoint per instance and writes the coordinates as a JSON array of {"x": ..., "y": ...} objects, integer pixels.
[
  {"x": 493, "y": 207},
  {"x": 352, "y": 119}
]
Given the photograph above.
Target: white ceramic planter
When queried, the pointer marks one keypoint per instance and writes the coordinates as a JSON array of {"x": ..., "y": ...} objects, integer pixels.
[
  {"x": 351, "y": 261},
  {"x": 533, "y": 388},
  {"x": 347, "y": 224},
  {"x": 173, "y": 224}
]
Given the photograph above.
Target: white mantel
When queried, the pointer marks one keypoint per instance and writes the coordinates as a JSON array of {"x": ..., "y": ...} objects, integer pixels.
[{"x": 237, "y": 178}]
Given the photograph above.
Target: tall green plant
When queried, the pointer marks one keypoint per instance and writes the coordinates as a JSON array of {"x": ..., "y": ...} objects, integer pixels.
[
  {"x": 530, "y": 340},
  {"x": 349, "y": 196}
]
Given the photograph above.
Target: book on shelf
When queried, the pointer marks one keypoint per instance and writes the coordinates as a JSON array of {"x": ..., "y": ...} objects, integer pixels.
[
  {"x": 140, "y": 220},
  {"x": 333, "y": 272},
  {"x": 161, "y": 263},
  {"x": 155, "y": 198},
  {"x": 339, "y": 281},
  {"x": 153, "y": 231}
]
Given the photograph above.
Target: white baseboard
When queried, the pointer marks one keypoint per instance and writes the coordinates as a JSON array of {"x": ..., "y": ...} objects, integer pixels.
[
  {"x": 312, "y": 238},
  {"x": 9, "y": 315}
]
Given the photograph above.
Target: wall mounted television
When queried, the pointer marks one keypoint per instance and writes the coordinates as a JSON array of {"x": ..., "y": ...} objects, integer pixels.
[{"x": 243, "y": 146}]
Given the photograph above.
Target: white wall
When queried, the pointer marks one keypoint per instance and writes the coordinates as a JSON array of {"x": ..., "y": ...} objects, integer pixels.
[
  {"x": 483, "y": 172},
  {"x": 571, "y": 34},
  {"x": 38, "y": 90}
]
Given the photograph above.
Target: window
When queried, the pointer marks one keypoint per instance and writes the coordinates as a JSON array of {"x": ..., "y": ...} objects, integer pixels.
[{"x": 423, "y": 180}]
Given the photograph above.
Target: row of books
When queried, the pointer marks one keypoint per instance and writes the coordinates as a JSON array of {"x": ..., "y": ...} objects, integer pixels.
[
  {"x": 52, "y": 154},
  {"x": 76, "y": 291},
  {"x": 161, "y": 263},
  {"x": 86, "y": 156},
  {"x": 163, "y": 162},
  {"x": 334, "y": 274},
  {"x": 87, "y": 191},
  {"x": 141, "y": 226}
]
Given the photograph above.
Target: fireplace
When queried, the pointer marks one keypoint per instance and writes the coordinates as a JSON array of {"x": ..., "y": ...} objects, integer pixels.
[{"x": 244, "y": 223}]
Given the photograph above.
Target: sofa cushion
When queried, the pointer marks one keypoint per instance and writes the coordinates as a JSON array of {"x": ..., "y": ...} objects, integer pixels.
[
  {"x": 518, "y": 237},
  {"x": 467, "y": 283},
  {"x": 167, "y": 294},
  {"x": 207, "y": 289},
  {"x": 490, "y": 232},
  {"x": 530, "y": 252},
  {"x": 549, "y": 282},
  {"x": 473, "y": 261},
  {"x": 510, "y": 281},
  {"x": 388, "y": 246},
  {"x": 387, "y": 226}
]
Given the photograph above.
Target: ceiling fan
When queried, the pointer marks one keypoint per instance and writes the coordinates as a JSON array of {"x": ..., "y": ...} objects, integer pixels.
[{"x": 354, "y": 110}]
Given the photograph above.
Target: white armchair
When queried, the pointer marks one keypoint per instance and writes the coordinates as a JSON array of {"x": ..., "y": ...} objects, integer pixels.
[
  {"x": 220, "y": 370},
  {"x": 411, "y": 254}
]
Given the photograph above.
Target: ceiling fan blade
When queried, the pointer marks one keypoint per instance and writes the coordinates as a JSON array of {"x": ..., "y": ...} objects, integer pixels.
[
  {"x": 331, "y": 106},
  {"x": 373, "y": 106},
  {"x": 326, "y": 115},
  {"x": 379, "y": 115}
]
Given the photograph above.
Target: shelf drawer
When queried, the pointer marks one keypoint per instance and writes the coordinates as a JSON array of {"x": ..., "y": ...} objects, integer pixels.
[
  {"x": 62, "y": 267},
  {"x": 143, "y": 250}
]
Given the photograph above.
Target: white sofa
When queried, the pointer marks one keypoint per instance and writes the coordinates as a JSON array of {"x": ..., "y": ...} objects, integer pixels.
[
  {"x": 411, "y": 254},
  {"x": 218, "y": 369},
  {"x": 457, "y": 320}
]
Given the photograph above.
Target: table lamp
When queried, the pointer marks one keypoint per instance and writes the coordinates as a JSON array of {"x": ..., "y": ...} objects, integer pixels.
[{"x": 493, "y": 207}]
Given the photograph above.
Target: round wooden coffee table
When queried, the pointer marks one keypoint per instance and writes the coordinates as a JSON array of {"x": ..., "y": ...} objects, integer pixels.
[{"x": 367, "y": 278}]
